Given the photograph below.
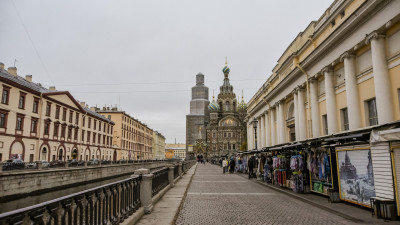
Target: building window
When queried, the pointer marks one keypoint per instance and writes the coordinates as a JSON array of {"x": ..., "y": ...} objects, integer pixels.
[
  {"x": 35, "y": 105},
  {"x": 83, "y": 121},
  {"x": 109, "y": 117},
  {"x": 21, "y": 102},
  {"x": 48, "y": 109},
  {"x": 345, "y": 119},
  {"x": 372, "y": 113},
  {"x": 94, "y": 124},
  {"x": 89, "y": 122},
  {"x": 71, "y": 116},
  {"x": 64, "y": 115},
  {"x": 99, "y": 125},
  {"x": 63, "y": 127},
  {"x": 34, "y": 125},
  {"x": 94, "y": 138},
  {"x": 325, "y": 124},
  {"x": 88, "y": 137},
  {"x": 57, "y": 112},
  {"x": 77, "y": 118},
  {"x": 69, "y": 132},
  {"x": 76, "y": 134},
  {"x": 227, "y": 106},
  {"x": 83, "y": 135},
  {"x": 20, "y": 122},
  {"x": 46, "y": 127},
  {"x": 56, "y": 126},
  {"x": 5, "y": 95},
  {"x": 3, "y": 119}
]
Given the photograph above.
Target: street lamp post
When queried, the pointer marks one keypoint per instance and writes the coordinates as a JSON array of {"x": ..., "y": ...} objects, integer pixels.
[{"x": 255, "y": 121}]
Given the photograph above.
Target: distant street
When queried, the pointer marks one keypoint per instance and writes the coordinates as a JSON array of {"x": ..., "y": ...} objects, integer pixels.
[{"x": 216, "y": 198}]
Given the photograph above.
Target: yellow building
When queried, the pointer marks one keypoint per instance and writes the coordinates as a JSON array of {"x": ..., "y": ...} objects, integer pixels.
[
  {"x": 133, "y": 139},
  {"x": 336, "y": 86},
  {"x": 45, "y": 124},
  {"x": 158, "y": 145}
]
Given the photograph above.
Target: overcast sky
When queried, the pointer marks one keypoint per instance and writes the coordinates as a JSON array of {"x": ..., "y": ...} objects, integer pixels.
[{"x": 144, "y": 55}]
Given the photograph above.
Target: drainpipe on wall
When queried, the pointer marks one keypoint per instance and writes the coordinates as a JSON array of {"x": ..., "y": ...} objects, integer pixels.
[
  {"x": 83, "y": 158},
  {"x": 308, "y": 99},
  {"x": 39, "y": 124}
]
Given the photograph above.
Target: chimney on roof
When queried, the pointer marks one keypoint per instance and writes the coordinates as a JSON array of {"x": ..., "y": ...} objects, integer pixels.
[
  {"x": 12, "y": 71},
  {"x": 114, "y": 109},
  {"x": 83, "y": 104},
  {"x": 104, "y": 108},
  {"x": 28, "y": 78},
  {"x": 93, "y": 109},
  {"x": 52, "y": 88},
  {"x": 108, "y": 108},
  {"x": 1, "y": 65}
]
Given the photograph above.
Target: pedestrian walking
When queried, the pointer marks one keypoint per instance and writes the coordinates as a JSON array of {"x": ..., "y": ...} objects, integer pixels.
[
  {"x": 232, "y": 164},
  {"x": 223, "y": 165},
  {"x": 251, "y": 165}
]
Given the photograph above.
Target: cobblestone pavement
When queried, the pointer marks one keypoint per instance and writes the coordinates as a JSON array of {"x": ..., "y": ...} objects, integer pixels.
[{"x": 217, "y": 198}]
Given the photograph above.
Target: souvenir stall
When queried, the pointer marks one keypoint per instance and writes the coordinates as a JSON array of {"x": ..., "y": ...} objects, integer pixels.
[{"x": 319, "y": 167}]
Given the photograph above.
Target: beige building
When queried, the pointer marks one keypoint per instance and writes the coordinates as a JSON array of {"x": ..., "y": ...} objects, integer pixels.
[
  {"x": 46, "y": 124},
  {"x": 158, "y": 145},
  {"x": 175, "y": 151},
  {"x": 134, "y": 140},
  {"x": 334, "y": 96}
]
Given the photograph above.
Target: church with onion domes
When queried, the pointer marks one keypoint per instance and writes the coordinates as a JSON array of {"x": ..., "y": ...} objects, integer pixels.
[{"x": 226, "y": 129}]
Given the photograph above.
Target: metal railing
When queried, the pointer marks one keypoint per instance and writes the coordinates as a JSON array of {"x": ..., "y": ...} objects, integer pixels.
[
  {"x": 107, "y": 204},
  {"x": 160, "y": 181},
  {"x": 176, "y": 171}
]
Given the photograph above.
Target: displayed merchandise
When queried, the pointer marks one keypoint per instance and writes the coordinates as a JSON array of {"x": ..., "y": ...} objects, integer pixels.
[{"x": 318, "y": 164}]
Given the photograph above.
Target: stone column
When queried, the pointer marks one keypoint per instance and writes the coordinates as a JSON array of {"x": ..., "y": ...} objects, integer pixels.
[
  {"x": 273, "y": 129},
  {"x": 330, "y": 100},
  {"x": 267, "y": 129},
  {"x": 302, "y": 114},
  {"x": 145, "y": 189},
  {"x": 171, "y": 176},
  {"x": 353, "y": 101},
  {"x": 262, "y": 131},
  {"x": 282, "y": 127},
  {"x": 296, "y": 116},
  {"x": 315, "y": 118},
  {"x": 384, "y": 101}
]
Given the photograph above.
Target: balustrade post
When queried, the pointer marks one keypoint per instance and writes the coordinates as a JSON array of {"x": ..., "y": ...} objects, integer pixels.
[
  {"x": 180, "y": 171},
  {"x": 85, "y": 163},
  {"x": 39, "y": 165},
  {"x": 99, "y": 162},
  {"x": 146, "y": 189},
  {"x": 171, "y": 176},
  {"x": 65, "y": 164}
]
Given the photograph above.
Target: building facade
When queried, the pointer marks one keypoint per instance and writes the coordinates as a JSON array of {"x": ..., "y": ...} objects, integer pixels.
[
  {"x": 199, "y": 115},
  {"x": 134, "y": 140},
  {"x": 45, "y": 124},
  {"x": 226, "y": 130},
  {"x": 175, "y": 151},
  {"x": 334, "y": 94},
  {"x": 158, "y": 145}
]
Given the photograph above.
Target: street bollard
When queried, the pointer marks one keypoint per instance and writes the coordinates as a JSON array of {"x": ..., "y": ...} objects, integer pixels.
[
  {"x": 85, "y": 163},
  {"x": 146, "y": 189},
  {"x": 171, "y": 176},
  {"x": 39, "y": 165}
]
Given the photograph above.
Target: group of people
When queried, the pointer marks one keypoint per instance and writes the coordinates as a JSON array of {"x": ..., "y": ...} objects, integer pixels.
[{"x": 228, "y": 165}]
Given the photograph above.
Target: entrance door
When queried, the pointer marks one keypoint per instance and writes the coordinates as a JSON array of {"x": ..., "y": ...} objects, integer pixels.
[
  {"x": 44, "y": 153},
  {"x": 115, "y": 155},
  {"x": 74, "y": 154},
  {"x": 60, "y": 154}
]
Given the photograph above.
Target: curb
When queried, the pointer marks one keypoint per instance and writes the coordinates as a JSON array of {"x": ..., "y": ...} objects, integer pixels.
[{"x": 184, "y": 196}]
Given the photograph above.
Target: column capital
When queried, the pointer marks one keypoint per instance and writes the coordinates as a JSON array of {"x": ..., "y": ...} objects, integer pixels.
[
  {"x": 312, "y": 78},
  {"x": 266, "y": 112},
  {"x": 373, "y": 36},
  {"x": 300, "y": 87},
  {"x": 347, "y": 54},
  {"x": 327, "y": 69},
  {"x": 294, "y": 92}
]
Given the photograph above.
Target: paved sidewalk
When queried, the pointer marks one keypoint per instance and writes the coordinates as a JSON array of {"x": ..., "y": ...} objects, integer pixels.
[
  {"x": 217, "y": 198},
  {"x": 167, "y": 207}
]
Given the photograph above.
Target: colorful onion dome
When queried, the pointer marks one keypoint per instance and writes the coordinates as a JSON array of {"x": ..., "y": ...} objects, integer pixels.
[
  {"x": 213, "y": 106},
  {"x": 226, "y": 69}
]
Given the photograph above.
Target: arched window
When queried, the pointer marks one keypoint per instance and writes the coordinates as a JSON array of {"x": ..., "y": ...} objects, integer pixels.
[
  {"x": 220, "y": 106},
  {"x": 234, "y": 106},
  {"x": 227, "y": 106},
  {"x": 44, "y": 153}
]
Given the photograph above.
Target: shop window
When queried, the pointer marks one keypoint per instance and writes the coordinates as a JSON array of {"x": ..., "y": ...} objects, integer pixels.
[
  {"x": 3, "y": 119},
  {"x": 48, "y": 109},
  {"x": 325, "y": 124},
  {"x": 5, "y": 95},
  {"x": 345, "y": 119},
  {"x": 57, "y": 112},
  {"x": 35, "y": 105},
  {"x": 371, "y": 112},
  {"x": 21, "y": 102},
  {"x": 20, "y": 122}
]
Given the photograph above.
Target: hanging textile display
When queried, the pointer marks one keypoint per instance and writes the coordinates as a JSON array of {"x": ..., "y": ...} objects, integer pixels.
[
  {"x": 279, "y": 165},
  {"x": 297, "y": 177},
  {"x": 319, "y": 165}
]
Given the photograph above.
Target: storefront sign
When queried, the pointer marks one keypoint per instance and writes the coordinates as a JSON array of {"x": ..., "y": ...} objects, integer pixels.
[{"x": 356, "y": 179}]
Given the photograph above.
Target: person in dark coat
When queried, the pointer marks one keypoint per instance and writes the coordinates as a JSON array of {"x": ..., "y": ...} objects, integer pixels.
[
  {"x": 251, "y": 164},
  {"x": 232, "y": 164}
]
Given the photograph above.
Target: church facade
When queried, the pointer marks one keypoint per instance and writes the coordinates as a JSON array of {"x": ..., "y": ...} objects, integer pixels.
[{"x": 226, "y": 129}]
